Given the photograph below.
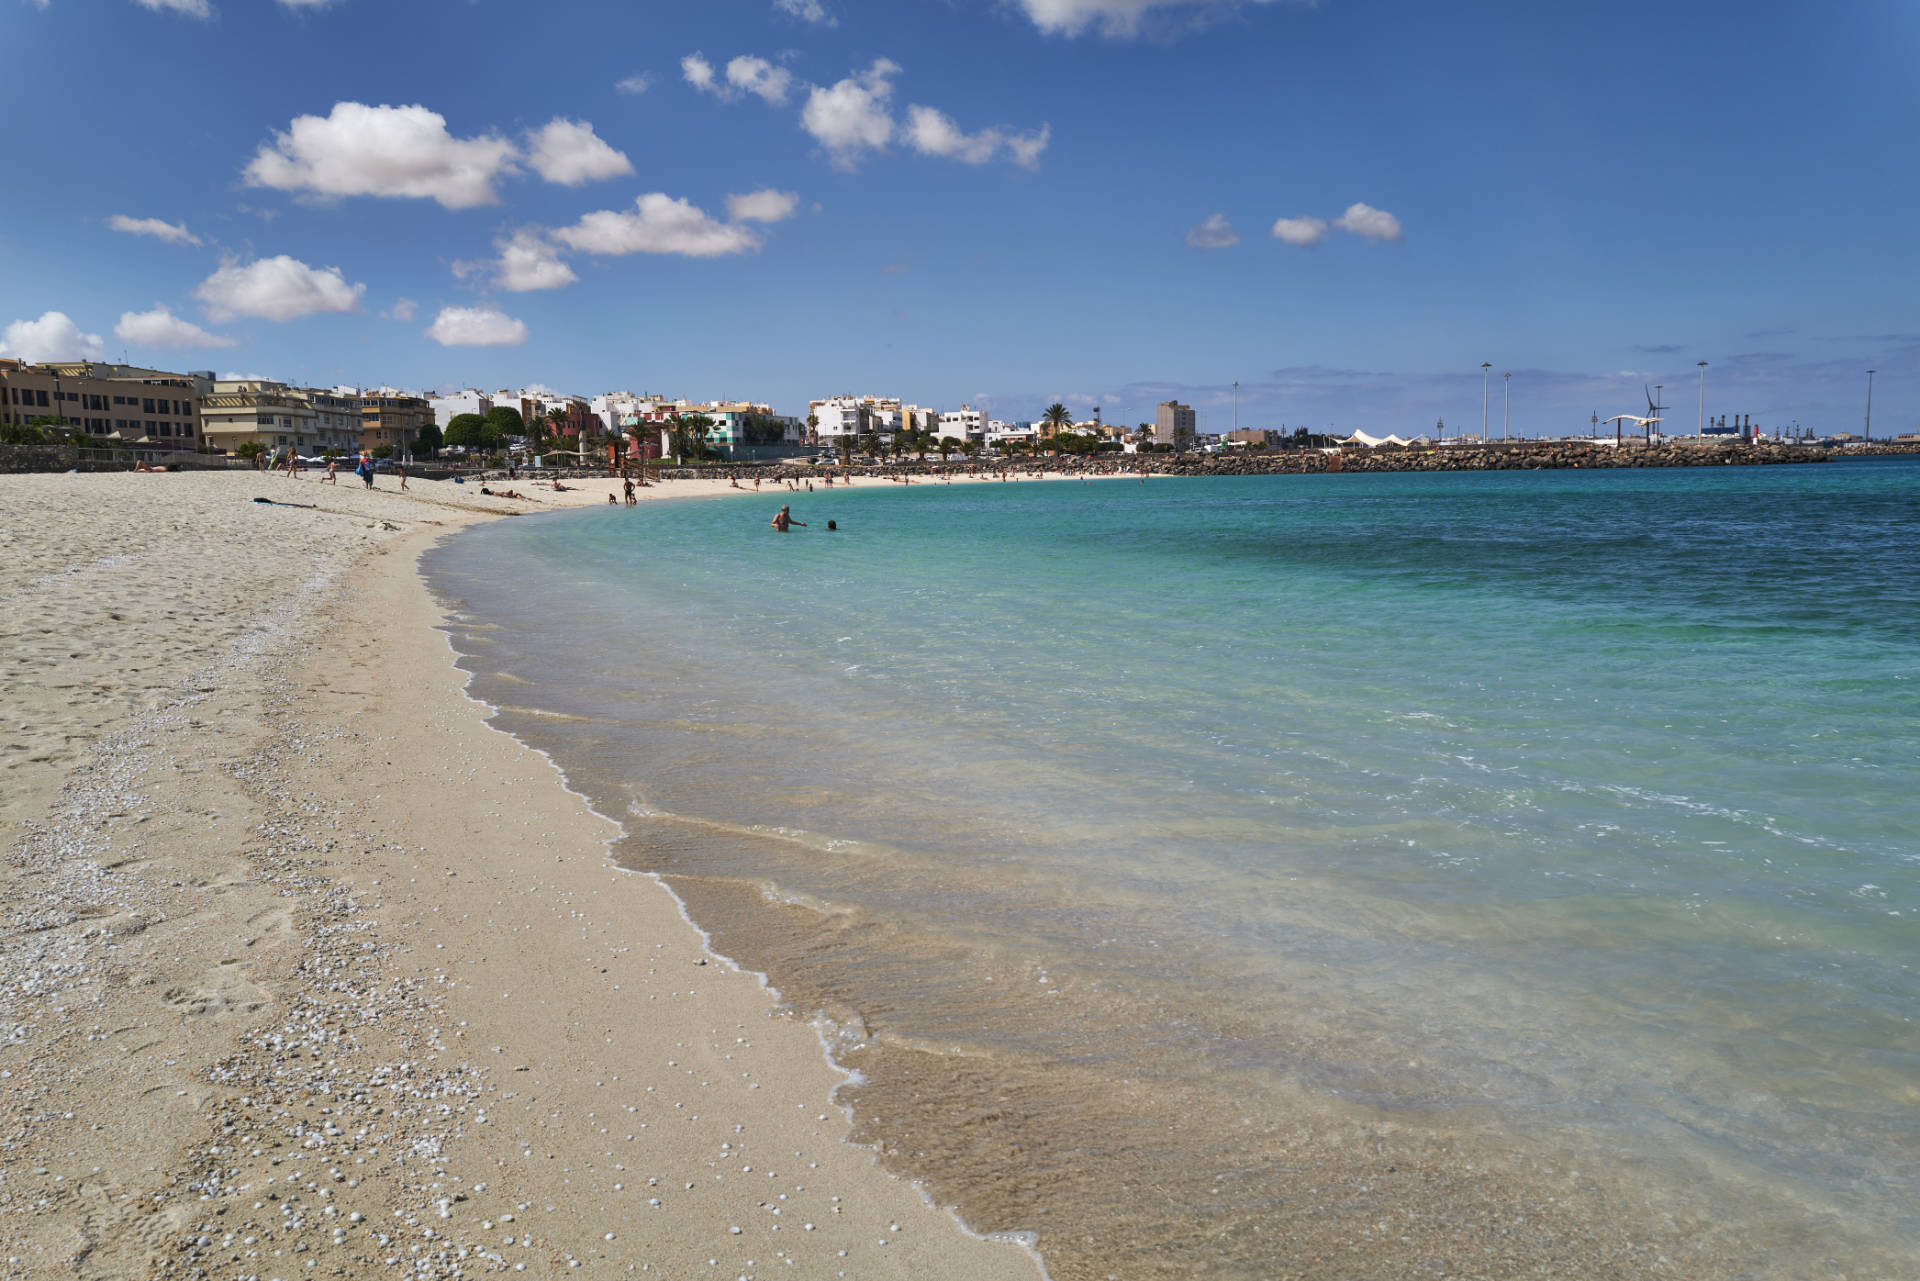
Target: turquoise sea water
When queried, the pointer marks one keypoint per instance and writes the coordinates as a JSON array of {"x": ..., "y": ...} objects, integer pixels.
[{"x": 1205, "y": 873}]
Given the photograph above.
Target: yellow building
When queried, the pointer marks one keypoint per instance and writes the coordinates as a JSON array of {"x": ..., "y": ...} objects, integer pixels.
[{"x": 149, "y": 411}]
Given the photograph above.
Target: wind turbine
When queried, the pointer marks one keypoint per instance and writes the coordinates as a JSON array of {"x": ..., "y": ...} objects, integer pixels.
[{"x": 1653, "y": 416}]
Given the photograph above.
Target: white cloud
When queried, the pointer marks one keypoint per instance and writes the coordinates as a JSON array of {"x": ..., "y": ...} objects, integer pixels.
[
  {"x": 305, "y": 4},
  {"x": 1026, "y": 148},
  {"x": 1365, "y": 220},
  {"x": 758, "y": 76},
  {"x": 570, "y": 153},
  {"x": 763, "y": 206},
  {"x": 1300, "y": 231},
  {"x": 402, "y": 309},
  {"x": 529, "y": 261},
  {"x": 807, "y": 11},
  {"x": 279, "y": 288},
  {"x": 161, "y": 328},
  {"x": 192, "y": 8},
  {"x": 852, "y": 116},
  {"x": 476, "y": 327},
  {"x": 383, "y": 151},
  {"x": 698, "y": 72},
  {"x": 52, "y": 337},
  {"x": 933, "y": 133},
  {"x": 174, "y": 233},
  {"x": 639, "y": 82},
  {"x": 1111, "y": 17},
  {"x": 663, "y": 225},
  {"x": 1215, "y": 233}
]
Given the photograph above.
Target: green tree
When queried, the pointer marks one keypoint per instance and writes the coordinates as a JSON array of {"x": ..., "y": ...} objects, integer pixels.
[
  {"x": 428, "y": 440},
  {"x": 465, "y": 431},
  {"x": 502, "y": 421},
  {"x": 1057, "y": 418},
  {"x": 948, "y": 444},
  {"x": 249, "y": 450},
  {"x": 383, "y": 451},
  {"x": 845, "y": 441},
  {"x": 813, "y": 428}
]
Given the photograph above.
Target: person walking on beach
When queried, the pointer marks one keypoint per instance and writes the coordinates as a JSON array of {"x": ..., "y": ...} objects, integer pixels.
[
  {"x": 365, "y": 469},
  {"x": 784, "y": 520},
  {"x": 333, "y": 476},
  {"x": 629, "y": 488},
  {"x": 402, "y": 469}
]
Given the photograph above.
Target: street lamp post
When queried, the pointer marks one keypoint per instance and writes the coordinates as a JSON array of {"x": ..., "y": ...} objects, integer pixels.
[
  {"x": 1485, "y": 365},
  {"x": 1236, "y": 404},
  {"x": 1506, "y": 408},
  {"x": 1703, "y": 403},
  {"x": 1870, "y": 374}
]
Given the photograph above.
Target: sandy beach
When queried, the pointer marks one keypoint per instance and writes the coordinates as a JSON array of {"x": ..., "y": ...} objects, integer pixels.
[{"x": 309, "y": 972}]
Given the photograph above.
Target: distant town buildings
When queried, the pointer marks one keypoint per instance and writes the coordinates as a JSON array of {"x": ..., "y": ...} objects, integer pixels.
[
  {"x": 146, "y": 409},
  {"x": 1175, "y": 425},
  {"x": 448, "y": 407}
]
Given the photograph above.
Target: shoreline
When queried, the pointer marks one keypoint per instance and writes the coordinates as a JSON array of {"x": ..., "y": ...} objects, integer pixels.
[{"x": 313, "y": 972}]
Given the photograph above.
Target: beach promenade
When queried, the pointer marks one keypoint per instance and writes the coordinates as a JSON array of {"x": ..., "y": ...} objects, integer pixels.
[{"x": 308, "y": 972}]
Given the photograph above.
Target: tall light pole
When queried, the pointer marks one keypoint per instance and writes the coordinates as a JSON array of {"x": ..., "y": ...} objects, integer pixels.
[
  {"x": 1870, "y": 374},
  {"x": 1485, "y": 365},
  {"x": 1703, "y": 403},
  {"x": 1506, "y": 407},
  {"x": 1236, "y": 404}
]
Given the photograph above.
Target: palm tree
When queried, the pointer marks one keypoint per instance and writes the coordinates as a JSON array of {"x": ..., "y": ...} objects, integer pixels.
[{"x": 1057, "y": 417}]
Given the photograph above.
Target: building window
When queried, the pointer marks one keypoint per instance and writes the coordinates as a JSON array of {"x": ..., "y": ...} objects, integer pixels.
[
  {"x": 43, "y": 399},
  {"x": 146, "y": 406}
]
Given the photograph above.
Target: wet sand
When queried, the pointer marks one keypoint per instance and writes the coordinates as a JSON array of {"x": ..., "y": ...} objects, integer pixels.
[{"x": 307, "y": 971}]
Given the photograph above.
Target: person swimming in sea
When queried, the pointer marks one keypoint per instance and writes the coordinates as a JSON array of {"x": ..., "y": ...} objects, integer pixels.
[{"x": 783, "y": 521}]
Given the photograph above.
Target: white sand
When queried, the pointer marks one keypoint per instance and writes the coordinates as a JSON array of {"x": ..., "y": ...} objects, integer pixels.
[{"x": 307, "y": 972}]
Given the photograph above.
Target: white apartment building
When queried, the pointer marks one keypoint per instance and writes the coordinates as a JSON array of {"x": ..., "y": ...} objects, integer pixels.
[
  {"x": 447, "y": 408},
  {"x": 964, "y": 423},
  {"x": 839, "y": 416}
]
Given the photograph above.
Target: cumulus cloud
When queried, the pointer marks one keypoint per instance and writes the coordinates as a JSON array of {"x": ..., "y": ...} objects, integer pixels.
[
  {"x": 359, "y": 150},
  {"x": 52, "y": 337},
  {"x": 1215, "y": 233},
  {"x": 763, "y": 206},
  {"x": 174, "y": 233},
  {"x": 529, "y": 261},
  {"x": 1025, "y": 148},
  {"x": 932, "y": 133},
  {"x": 807, "y": 11},
  {"x": 660, "y": 225},
  {"x": 279, "y": 288},
  {"x": 569, "y": 153},
  {"x": 1300, "y": 231},
  {"x": 1365, "y": 220},
  {"x": 758, "y": 76},
  {"x": 698, "y": 72},
  {"x": 476, "y": 327},
  {"x": 161, "y": 328},
  {"x": 191, "y": 8},
  {"x": 1113, "y": 17},
  {"x": 637, "y": 83},
  {"x": 852, "y": 116}
]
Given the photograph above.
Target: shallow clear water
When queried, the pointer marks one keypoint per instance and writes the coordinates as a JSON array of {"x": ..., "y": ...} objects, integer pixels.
[{"x": 1208, "y": 847}]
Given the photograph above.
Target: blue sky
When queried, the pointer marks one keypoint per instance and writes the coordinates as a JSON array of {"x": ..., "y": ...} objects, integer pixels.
[{"x": 997, "y": 201}]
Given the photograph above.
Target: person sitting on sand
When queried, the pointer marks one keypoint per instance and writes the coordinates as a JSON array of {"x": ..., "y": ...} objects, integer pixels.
[
  {"x": 611, "y": 500},
  {"x": 558, "y": 488},
  {"x": 784, "y": 521},
  {"x": 140, "y": 464}
]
